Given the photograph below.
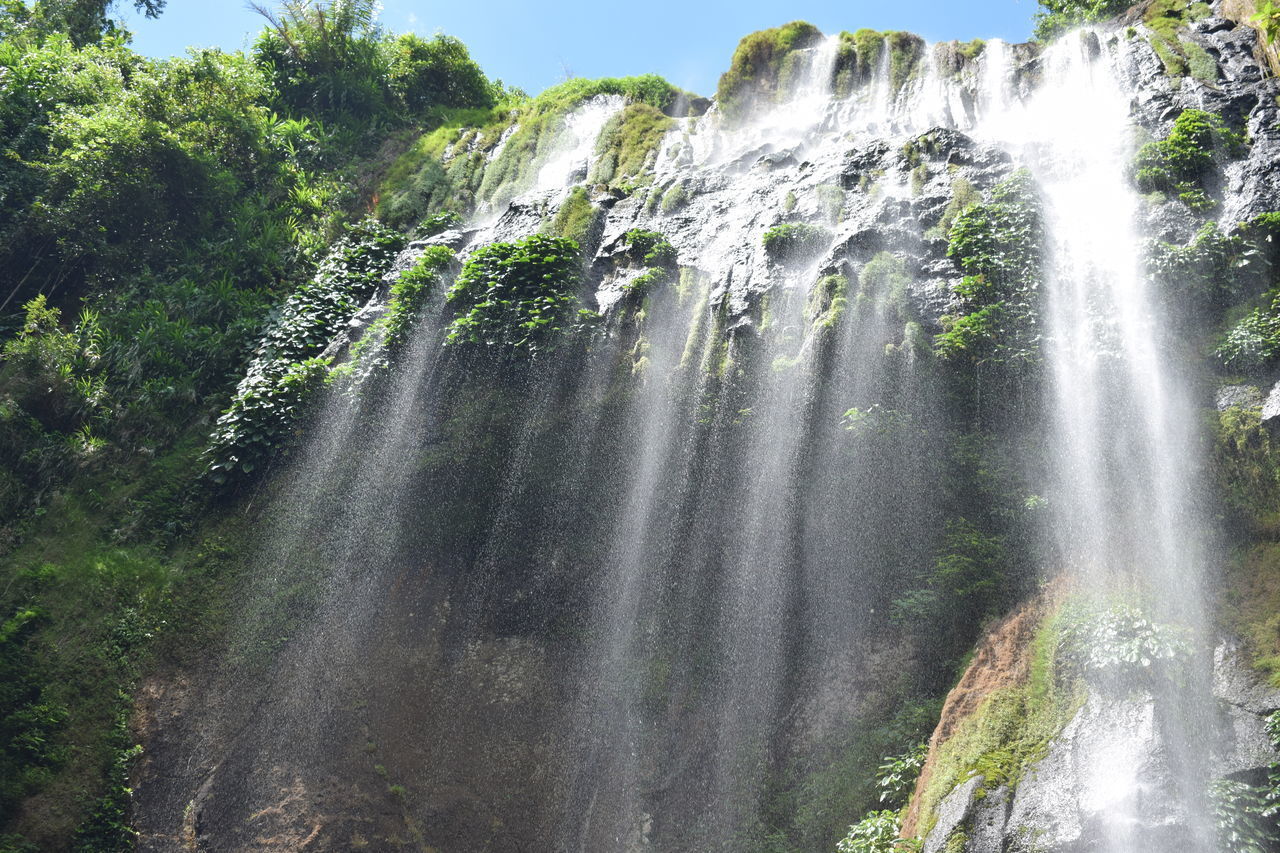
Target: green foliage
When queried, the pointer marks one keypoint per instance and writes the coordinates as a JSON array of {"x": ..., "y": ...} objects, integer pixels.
[
  {"x": 760, "y": 65},
  {"x": 878, "y": 831},
  {"x": 1121, "y": 646},
  {"x": 383, "y": 342},
  {"x": 29, "y": 724},
  {"x": 795, "y": 242},
  {"x": 1057, "y": 16},
  {"x": 1247, "y": 815},
  {"x": 629, "y": 143},
  {"x": 1267, "y": 20},
  {"x": 431, "y": 76},
  {"x": 84, "y": 21},
  {"x": 517, "y": 297},
  {"x": 998, "y": 246},
  {"x": 1182, "y": 162},
  {"x": 898, "y": 774},
  {"x": 282, "y": 380},
  {"x": 1252, "y": 344},
  {"x": 875, "y": 833},
  {"x": 325, "y": 59},
  {"x": 578, "y": 219},
  {"x": 1011, "y": 729},
  {"x": 1206, "y": 273},
  {"x": 965, "y": 584}
]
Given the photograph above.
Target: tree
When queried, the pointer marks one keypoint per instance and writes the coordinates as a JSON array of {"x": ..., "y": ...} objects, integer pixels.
[
  {"x": 326, "y": 58},
  {"x": 1056, "y": 16},
  {"x": 85, "y": 21}
]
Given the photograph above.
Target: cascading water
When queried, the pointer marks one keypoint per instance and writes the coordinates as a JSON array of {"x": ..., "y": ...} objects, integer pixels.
[{"x": 619, "y": 595}]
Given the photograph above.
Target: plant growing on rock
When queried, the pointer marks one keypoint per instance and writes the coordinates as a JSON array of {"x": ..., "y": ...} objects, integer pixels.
[
  {"x": 1182, "y": 162},
  {"x": 516, "y": 297},
  {"x": 999, "y": 246},
  {"x": 281, "y": 382},
  {"x": 760, "y": 66},
  {"x": 795, "y": 242}
]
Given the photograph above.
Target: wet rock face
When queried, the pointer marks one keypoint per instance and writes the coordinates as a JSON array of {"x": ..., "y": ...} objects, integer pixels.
[{"x": 1081, "y": 796}]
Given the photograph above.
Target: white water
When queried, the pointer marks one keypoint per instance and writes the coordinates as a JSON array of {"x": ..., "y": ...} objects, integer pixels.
[{"x": 744, "y": 543}]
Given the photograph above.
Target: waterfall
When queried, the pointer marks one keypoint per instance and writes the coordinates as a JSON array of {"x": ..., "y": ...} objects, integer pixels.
[{"x": 612, "y": 597}]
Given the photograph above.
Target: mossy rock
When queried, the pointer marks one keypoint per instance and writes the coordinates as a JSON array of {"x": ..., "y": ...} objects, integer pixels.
[{"x": 759, "y": 66}]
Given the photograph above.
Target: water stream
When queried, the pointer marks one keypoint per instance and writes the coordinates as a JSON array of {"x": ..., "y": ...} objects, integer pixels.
[{"x": 707, "y": 557}]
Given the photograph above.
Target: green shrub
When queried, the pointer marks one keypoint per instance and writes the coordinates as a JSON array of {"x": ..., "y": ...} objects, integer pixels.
[
  {"x": 325, "y": 59},
  {"x": 1206, "y": 273},
  {"x": 875, "y": 833},
  {"x": 517, "y": 297},
  {"x": 383, "y": 342},
  {"x": 650, "y": 248},
  {"x": 629, "y": 143},
  {"x": 999, "y": 247},
  {"x": 430, "y": 75},
  {"x": 1252, "y": 344},
  {"x": 1121, "y": 646},
  {"x": 1198, "y": 142},
  {"x": 795, "y": 242},
  {"x": 280, "y": 385},
  {"x": 759, "y": 66}
]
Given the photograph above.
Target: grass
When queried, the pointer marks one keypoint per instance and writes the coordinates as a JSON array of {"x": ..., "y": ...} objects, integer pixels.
[
  {"x": 629, "y": 143},
  {"x": 1009, "y": 731}
]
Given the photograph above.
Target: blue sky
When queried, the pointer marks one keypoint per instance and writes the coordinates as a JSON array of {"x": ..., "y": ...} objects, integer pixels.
[{"x": 535, "y": 45}]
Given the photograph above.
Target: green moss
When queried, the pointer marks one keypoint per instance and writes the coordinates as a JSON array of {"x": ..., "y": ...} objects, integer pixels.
[
  {"x": 831, "y": 202},
  {"x": 857, "y": 58},
  {"x": 539, "y": 122},
  {"x": 905, "y": 52},
  {"x": 674, "y": 198},
  {"x": 795, "y": 242},
  {"x": 629, "y": 143},
  {"x": 1011, "y": 728},
  {"x": 760, "y": 64},
  {"x": 442, "y": 169},
  {"x": 1201, "y": 65},
  {"x": 828, "y": 299},
  {"x": 883, "y": 284},
  {"x": 963, "y": 197},
  {"x": 577, "y": 219},
  {"x": 1247, "y": 467},
  {"x": 1167, "y": 20},
  {"x": 1252, "y": 601}
]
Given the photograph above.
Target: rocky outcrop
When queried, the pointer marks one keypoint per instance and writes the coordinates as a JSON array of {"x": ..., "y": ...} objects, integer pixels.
[{"x": 1110, "y": 777}]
